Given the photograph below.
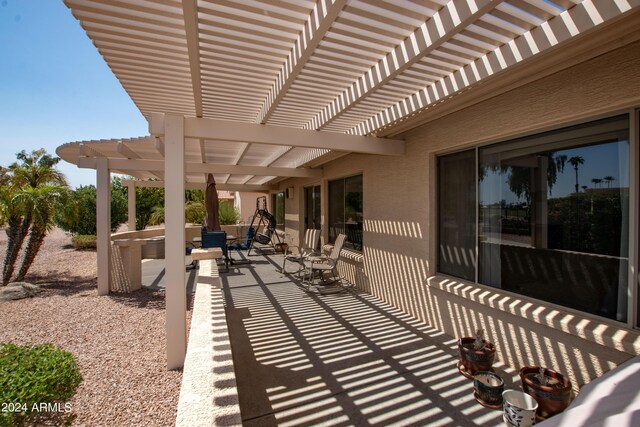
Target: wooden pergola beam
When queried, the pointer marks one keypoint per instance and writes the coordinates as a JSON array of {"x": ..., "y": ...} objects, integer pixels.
[
  {"x": 224, "y": 130},
  {"x": 159, "y": 166},
  {"x": 253, "y": 188},
  {"x": 319, "y": 22},
  {"x": 574, "y": 22},
  {"x": 190, "y": 12},
  {"x": 427, "y": 38}
]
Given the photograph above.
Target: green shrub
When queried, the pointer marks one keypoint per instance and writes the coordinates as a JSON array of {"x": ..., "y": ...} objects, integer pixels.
[
  {"x": 147, "y": 198},
  {"x": 35, "y": 383},
  {"x": 78, "y": 215},
  {"x": 229, "y": 215},
  {"x": 84, "y": 241},
  {"x": 194, "y": 212}
]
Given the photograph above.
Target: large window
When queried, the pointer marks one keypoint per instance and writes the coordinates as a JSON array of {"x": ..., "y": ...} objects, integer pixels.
[
  {"x": 312, "y": 215},
  {"x": 345, "y": 210},
  {"x": 553, "y": 216},
  {"x": 277, "y": 205},
  {"x": 457, "y": 214}
]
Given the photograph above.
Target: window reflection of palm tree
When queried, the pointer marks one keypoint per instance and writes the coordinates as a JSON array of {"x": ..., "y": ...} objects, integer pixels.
[
  {"x": 584, "y": 188},
  {"x": 576, "y": 161},
  {"x": 609, "y": 180},
  {"x": 596, "y": 182}
]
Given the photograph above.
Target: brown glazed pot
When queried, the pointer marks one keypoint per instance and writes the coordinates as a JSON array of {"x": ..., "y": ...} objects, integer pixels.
[
  {"x": 488, "y": 387},
  {"x": 552, "y": 399},
  {"x": 476, "y": 360}
]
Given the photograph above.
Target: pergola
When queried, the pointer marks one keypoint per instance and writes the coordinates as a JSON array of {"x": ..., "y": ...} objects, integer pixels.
[{"x": 259, "y": 91}]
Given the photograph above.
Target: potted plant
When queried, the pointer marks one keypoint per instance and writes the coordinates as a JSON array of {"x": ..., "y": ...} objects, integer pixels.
[
  {"x": 476, "y": 354},
  {"x": 488, "y": 388},
  {"x": 549, "y": 388}
]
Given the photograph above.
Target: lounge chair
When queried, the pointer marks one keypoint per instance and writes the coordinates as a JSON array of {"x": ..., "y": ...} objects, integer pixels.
[
  {"x": 322, "y": 264},
  {"x": 246, "y": 244},
  {"x": 189, "y": 247},
  {"x": 299, "y": 253}
]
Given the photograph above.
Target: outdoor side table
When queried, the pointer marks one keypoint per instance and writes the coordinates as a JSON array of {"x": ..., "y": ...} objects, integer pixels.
[{"x": 313, "y": 259}]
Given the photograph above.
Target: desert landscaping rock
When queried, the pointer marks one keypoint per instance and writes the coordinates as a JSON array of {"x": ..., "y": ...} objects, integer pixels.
[
  {"x": 118, "y": 340},
  {"x": 18, "y": 290}
]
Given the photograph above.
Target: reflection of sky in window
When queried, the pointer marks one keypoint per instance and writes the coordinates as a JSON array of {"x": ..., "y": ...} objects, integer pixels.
[{"x": 600, "y": 160}]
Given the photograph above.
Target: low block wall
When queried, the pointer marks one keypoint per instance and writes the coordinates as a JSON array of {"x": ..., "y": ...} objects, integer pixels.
[
  {"x": 119, "y": 280},
  {"x": 208, "y": 395},
  {"x": 529, "y": 332},
  {"x": 351, "y": 268},
  {"x": 524, "y": 330}
]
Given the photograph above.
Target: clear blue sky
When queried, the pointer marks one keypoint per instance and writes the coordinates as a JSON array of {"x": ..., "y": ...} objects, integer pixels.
[{"x": 55, "y": 87}]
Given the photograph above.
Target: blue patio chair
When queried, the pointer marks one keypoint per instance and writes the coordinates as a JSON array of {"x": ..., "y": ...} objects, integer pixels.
[
  {"x": 190, "y": 247},
  {"x": 243, "y": 246},
  {"x": 216, "y": 239}
]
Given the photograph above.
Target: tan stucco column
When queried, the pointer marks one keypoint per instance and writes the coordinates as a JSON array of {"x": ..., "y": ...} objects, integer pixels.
[
  {"x": 103, "y": 224},
  {"x": 176, "y": 298}
]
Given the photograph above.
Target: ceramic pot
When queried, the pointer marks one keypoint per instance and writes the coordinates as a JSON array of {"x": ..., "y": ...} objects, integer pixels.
[
  {"x": 488, "y": 387},
  {"x": 552, "y": 398},
  {"x": 519, "y": 409},
  {"x": 476, "y": 360}
]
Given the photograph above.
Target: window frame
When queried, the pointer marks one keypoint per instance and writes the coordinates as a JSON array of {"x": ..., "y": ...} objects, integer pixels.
[
  {"x": 305, "y": 214},
  {"x": 275, "y": 211},
  {"x": 348, "y": 244},
  {"x": 633, "y": 281}
]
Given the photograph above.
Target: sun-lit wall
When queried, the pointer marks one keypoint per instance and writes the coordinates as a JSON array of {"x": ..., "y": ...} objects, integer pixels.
[
  {"x": 247, "y": 201},
  {"x": 398, "y": 263}
]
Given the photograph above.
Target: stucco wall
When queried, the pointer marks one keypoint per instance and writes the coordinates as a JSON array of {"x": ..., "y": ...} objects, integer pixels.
[
  {"x": 399, "y": 259},
  {"x": 294, "y": 208},
  {"x": 248, "y": 205}
]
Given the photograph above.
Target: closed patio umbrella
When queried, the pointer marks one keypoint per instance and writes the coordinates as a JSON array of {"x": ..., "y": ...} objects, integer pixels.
[{"x": 211, "y": 203}]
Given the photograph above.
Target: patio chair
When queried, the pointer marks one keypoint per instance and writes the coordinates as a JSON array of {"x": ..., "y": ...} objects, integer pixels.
[
  {"x": 216, "y": 239},
  {"x": 300, "y": 253},
  {"x": 322, "y": 264},
  {"x": 246, "y": 244},
  {"x": 189, "y": 247}
]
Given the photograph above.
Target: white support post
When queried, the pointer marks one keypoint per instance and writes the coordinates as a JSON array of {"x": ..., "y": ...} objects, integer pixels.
[
  {"x": 103, "y": 224},
  {"x": 176, "y": 298},
  {"x": 131, "y": 205}
]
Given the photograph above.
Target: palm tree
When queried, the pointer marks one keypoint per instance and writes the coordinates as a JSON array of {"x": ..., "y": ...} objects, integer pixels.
[
  {"x": 42, "y": 202},
  {"x": 36, "y": 168},
  {"x": 584, "y": 188},
  {"x": 157, "y": 215},
  {"x": 609, "y": 180},
  {"x": 576, "y": 161},
  {"x": 193, "y": 213},
  {"x": 31, "y": 171},
  {"x": 11, "y": 216},
  {"x": 596, "y": 182}
]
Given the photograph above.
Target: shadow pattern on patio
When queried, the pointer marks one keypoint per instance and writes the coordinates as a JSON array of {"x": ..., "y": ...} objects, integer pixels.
[{"x": 302, "y": 358}]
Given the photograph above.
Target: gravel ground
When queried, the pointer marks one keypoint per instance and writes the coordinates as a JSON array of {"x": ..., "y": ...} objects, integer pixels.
[{"x": 118, "y": 340}]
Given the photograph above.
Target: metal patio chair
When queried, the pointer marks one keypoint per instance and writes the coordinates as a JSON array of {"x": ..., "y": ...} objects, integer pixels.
[
  {"x": 299, "y": 253},
  {"x": 315, "y": 265}
]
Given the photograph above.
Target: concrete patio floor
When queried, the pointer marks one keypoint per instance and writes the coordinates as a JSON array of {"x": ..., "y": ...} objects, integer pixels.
[
  {"x": 153, "y": 274},
  {"x": 302, "y": 358}
]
